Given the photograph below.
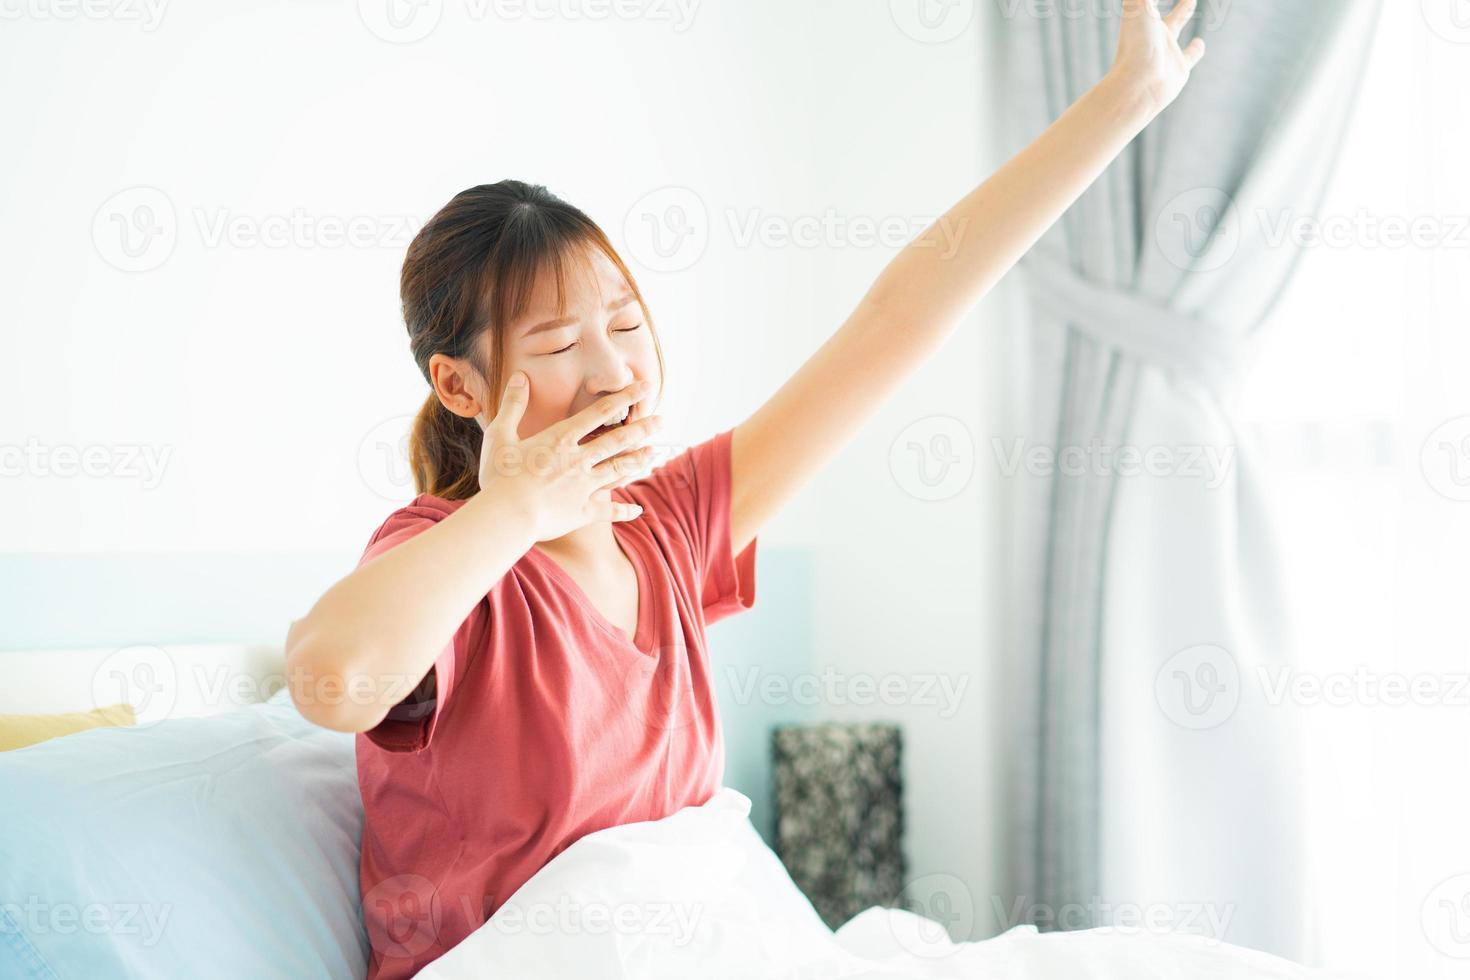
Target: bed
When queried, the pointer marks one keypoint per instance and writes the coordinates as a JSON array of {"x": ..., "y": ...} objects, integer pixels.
[{"x": 219, "y": 836}]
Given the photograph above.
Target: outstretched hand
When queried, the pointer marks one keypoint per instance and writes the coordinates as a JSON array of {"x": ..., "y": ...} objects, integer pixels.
[{"x": 1148, "y": 48}]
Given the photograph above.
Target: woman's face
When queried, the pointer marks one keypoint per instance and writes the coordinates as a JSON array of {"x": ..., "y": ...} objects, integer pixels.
[{"x": 599, "y": 346}]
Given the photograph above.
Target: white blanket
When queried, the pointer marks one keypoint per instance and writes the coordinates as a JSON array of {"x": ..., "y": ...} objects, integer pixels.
[{"x": 699, "y": 896}]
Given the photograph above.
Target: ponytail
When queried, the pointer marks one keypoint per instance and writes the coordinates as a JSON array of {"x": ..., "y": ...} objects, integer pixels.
[{"x": 444, "y": 452}]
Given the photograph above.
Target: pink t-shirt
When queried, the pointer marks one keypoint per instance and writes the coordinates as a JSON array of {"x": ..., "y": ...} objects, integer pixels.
[{"x": 548, "y": 723}]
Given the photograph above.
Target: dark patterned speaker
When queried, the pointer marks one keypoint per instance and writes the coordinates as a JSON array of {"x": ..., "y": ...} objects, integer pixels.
[{"x": 839, "y": 814}]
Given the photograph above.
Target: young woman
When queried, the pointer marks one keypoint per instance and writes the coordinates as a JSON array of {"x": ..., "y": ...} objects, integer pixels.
[{"x": 522, "y": 647}]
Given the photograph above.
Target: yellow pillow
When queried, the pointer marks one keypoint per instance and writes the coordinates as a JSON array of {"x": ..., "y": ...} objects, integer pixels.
[{"x": 18, "y": 731}]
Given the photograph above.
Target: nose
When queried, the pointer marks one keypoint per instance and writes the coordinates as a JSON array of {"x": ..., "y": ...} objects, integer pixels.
[{"x": 608, "y": 371}]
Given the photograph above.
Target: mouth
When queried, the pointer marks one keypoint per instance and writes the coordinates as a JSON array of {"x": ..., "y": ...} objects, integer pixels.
[{"x": 603, "y": 430}]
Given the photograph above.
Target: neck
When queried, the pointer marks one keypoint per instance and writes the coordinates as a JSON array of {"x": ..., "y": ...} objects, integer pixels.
[{"x": 585, "y": 545}]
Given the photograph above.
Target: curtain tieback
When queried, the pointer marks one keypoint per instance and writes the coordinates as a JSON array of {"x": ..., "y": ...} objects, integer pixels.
[{"x": 1175, "y": 341}]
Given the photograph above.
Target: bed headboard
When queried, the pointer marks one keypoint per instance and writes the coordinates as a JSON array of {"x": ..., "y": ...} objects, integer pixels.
[
  {"x": 76, "y": 600},
  {"x": 160, "y": 682},
  {"x": 181, "y": 633}
]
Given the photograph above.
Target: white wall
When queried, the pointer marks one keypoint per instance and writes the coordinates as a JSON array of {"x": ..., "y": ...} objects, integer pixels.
[
  {"x": 909, "y": 576},
  {"x": 262, "y": 378},
  {"x": 262, "y": 369}
]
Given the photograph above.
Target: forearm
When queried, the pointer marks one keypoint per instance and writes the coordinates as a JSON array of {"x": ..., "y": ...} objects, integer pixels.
[
  {"x": 939, "y": 277},
  {"x": 374, "y": 635}
]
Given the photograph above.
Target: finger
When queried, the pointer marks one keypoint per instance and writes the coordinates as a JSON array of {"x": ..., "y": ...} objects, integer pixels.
[
  {"x": 512, "y": 406},
  {"x": 621, "y": 482},
  {"x": 1194, "y": 52},
  {"x": 600, "y": 412},
  {"x": 623, "y": 438},
  {"x": 1179, "y": 16},
  {"x": 1135, "y": 8},
  {"x": 623, "y": 468},
  {"x": 613, "y": 510}
]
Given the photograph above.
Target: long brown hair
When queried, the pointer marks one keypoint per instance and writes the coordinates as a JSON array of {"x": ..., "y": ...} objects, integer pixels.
[{"x": 469, "y": 270}]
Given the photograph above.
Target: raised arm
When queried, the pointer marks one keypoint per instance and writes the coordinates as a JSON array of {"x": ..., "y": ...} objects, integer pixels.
[{"x": 920, "y": 297}]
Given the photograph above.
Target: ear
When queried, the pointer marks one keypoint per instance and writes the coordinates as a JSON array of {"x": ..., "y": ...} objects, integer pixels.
[{"x": 458, "y": 385}]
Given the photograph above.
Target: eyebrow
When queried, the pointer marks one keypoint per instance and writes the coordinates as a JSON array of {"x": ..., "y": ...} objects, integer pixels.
[{"x": 566, "y": 321}]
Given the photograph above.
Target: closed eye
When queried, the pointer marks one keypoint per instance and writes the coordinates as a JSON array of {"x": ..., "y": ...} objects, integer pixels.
[{"x": 574, "y": 343}]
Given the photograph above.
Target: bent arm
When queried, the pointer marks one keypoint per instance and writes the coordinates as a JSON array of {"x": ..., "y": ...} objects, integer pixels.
[{"x": 371, "y": 639}]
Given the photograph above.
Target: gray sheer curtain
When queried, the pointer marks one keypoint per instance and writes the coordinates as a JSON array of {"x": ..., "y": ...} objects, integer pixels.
[{"x": 1151, "y": 598}]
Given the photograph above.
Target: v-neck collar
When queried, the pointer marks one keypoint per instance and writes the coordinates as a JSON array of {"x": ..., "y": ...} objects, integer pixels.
[{"x": 640, "y": 641}]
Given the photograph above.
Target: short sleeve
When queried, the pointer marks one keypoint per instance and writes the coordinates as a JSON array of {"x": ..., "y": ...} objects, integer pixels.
[
  {"x": 409, "y": 725},
  {"x": 693, "y": 490}
]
